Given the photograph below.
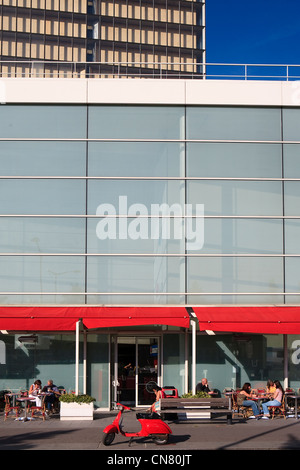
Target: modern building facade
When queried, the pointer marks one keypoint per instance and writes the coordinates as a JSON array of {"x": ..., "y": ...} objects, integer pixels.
[
  {"x": 152, "y": 224},
  {"x": 102, "y": 37}
]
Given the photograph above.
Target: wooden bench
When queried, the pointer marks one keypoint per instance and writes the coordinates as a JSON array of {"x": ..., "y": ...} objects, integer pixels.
[{"x": 195, "y": 408}]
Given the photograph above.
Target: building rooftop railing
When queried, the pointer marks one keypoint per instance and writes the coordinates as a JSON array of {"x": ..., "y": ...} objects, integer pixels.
[{"x": 162, "y": 70}]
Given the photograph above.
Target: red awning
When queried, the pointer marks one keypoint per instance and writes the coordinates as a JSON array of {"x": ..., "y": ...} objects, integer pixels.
[
  {"x": 38, "y": 318},
  {"x": 248, "y": 319}
]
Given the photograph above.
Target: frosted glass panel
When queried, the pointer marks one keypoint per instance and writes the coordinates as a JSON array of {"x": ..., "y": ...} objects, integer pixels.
[
  {"x": 292, "y": 280},
  {"x": 125, "y": 275},
  {"x": 235, "y": 275},
  {"x": 291, "y": 124},
  {"x": 236, "y": 123},
  {"x": 43, "y": 121},
  {"x": 132, "y": 235},
  {"x": 252, "y": 236},
  {"x": 143, "y": 193},
  {"x": 136, "y": 122},
  {"x": 41, "y": 274},
  {"x": 42, "y": 235},
  {"x": 292, "y": 197},
  {"x": 42, "y": 196},
  {"x": 42, "y": 159},
  {"x": 291, "y": 164},
  {"x": 135, "y": 159},
  {"x": 234, "y": 160},
  {"x": 292, "y": 236},
  {"x": 236, "y": 197}
]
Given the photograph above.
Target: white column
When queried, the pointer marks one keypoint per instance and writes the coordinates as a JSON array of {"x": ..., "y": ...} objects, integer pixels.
[
  {"x": 84, "y": 360},
  {"x": 77, "y": 357},
  {"x": 285, "y": 363},
  {"x": 193, "y": 323},
  {"x": 186, "y": 363}
]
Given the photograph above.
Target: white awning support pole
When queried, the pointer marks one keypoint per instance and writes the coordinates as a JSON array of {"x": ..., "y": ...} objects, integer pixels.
[
  {"x": 77, "y": 357},
  {"x": 194, "y": 324},
  {"x": 186, "y": 363},
  {"x": 84, "y": 360},
  {"x": 285, "y": 363}
]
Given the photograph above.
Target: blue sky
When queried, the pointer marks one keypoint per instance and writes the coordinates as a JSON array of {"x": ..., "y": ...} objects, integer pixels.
[{"x": 253, "y": 32}]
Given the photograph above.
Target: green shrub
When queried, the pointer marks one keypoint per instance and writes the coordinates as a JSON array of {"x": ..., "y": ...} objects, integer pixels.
[
  {"x": 197, "y": 395},
  {"x": 71, "y": 398}
]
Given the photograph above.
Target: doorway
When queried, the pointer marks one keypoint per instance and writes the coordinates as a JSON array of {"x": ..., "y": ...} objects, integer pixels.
[{"x": 135, "y": 363}]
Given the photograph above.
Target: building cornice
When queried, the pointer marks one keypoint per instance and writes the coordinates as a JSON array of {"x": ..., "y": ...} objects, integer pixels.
[{"x": 149, "y": 92}]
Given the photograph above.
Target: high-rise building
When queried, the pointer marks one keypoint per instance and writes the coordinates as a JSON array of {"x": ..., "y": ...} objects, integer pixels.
[{"x": 102, "y": 37}]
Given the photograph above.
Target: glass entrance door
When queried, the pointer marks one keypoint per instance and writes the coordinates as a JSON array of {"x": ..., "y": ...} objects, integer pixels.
[{"x": 135, "y": 363}]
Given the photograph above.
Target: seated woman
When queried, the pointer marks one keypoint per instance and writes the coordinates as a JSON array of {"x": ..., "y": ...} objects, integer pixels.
[
  {"x": 155, "y": 407},
  {"x": 276, "y": 401},
  {"x": 34, "y": 390},
  {"x": 270, "y": 388},
  {"x": 244, "y": 399}
]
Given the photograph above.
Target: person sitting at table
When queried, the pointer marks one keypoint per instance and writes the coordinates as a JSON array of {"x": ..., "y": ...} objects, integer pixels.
[
  {"x": 244, "y": 398},
  {"x": 34, "y": 390},
  {"x": 203, "y": 387},
  {"x": 155, "y": 407},
  {"x": 271, "y": 389},
  {"x": 277, "y": 400},
  {"x": 52, "y": 393}
]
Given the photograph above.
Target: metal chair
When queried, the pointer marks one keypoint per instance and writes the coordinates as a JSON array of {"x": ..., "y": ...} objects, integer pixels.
[
  {"x": 38, "y": 411},
  {"x": 239, "y": 410},
  {"x": 10, "y": 407},
  {"x": 278, "y": 410}
]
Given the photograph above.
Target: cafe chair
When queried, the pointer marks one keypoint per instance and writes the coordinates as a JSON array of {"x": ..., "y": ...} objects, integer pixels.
[
  {"x": 10, "y": 408},
  {"x": 278, "y": 410},
  {"x": 37, "y": 411},
  {"x": 239, "y": 410}
]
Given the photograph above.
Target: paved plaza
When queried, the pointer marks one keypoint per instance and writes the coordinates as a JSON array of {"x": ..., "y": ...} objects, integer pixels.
[{"x": 53, "y": 434}]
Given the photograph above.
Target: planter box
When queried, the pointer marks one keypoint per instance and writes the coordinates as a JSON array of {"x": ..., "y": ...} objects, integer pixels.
[{"x": 76, "y": 411}]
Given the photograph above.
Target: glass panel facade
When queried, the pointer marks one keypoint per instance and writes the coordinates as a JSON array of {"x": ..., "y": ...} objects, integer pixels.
[
  {"x": 108, "y": 199},
  {"x": 93, "y": 203},
  {"x": 234, "y": 160},
  {"x": 136, "y": 159},
  {"x": 233, "y": 123},
  {"x": 22, "y": 363},
  {"x": 232, "y": 360},
  {"x": 136, "y": 122}
]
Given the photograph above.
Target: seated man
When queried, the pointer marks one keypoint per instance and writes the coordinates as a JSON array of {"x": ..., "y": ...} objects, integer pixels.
[
  {"x": 203, "y": 387},
  {"x": 53, "y": 394}
]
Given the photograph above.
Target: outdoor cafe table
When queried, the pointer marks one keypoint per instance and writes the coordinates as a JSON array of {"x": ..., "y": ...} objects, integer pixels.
[
  {"x": 25, "y": 400},
  {"x": 13, "y": 396},
  {"x": 259, "y": 399}
]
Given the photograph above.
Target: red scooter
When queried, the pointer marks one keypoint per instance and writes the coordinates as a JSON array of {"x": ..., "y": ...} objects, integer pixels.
[{"x": 152, "y": 425}]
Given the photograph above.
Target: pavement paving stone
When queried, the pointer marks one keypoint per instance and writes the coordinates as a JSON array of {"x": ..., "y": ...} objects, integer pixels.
[{"x": 53, "y": 434}]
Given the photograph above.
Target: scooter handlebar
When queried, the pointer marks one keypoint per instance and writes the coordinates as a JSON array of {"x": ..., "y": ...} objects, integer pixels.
[{"x": 123, "y": 406}]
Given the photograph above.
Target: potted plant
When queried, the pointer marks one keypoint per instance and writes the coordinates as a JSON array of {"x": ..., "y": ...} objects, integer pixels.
[
  {"x": 76, "y": 407},
  {"x": 197, "y": 395}
]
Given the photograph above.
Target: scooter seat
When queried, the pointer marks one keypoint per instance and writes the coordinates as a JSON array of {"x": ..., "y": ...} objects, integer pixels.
[{"x": 147, "y": 416}]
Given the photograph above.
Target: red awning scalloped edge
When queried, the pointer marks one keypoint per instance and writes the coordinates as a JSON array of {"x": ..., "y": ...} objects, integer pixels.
[
  {"x": 250, "y": 319},
  {"x": 242, "y": 319},
  {"x": 46, "y": 318}
]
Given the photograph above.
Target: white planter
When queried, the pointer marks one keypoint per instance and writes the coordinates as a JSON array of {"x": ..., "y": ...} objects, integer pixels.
[{"x": 76, "y": 411}]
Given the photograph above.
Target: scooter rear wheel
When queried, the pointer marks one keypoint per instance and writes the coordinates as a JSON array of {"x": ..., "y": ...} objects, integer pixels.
[
  {"x": 160, "y": 439},
  {"x": 107, "y": 439}
]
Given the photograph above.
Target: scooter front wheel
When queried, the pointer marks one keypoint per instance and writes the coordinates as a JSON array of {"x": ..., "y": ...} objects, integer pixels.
[
  {"x": 160, "y": 439},
  {"x": 107, "y": 439}
]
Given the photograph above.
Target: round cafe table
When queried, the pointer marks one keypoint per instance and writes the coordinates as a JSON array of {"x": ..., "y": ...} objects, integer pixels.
[
  {"x": 13, "y": 395},
  {"x": 25, "y": 400}
]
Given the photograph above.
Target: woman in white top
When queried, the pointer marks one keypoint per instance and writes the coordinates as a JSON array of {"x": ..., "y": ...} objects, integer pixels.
[
  {"x": 277, "y": 399},
  {"x": 34, "y": 390}
]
